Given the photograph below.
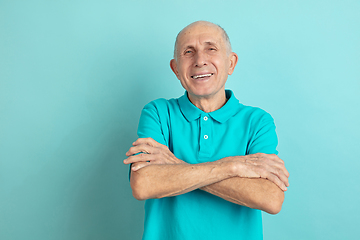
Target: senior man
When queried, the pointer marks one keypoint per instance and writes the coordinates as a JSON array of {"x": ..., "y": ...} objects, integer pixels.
[{"x": 205, "y": 163}]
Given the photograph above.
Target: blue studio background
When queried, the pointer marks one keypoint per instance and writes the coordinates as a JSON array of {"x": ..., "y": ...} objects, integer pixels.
[{"x": 74, "y": 76}]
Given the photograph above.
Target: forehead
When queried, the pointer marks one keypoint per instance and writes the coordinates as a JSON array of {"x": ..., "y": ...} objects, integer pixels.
[{"x": 200, "y": 34}]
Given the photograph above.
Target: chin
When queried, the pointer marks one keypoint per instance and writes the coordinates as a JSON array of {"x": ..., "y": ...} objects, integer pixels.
[{"x": 201, "y": 93}]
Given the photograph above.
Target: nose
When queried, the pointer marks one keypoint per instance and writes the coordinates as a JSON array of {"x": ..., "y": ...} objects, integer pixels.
[{"x": 200, "y": 59}]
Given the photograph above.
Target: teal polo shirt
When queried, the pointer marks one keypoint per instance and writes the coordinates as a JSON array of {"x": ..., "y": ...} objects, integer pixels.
[{"x": 195, "y": 137}]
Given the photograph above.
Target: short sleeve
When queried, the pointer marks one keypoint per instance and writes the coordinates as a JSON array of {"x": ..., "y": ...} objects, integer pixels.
[
  {"x": 264, "y": 138},
  {"x": 152, "y": 119}
]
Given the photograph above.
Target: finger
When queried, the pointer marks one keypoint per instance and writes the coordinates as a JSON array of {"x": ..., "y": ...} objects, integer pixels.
[
  {"x": 284, "y": 170},
  {"x": 148, "y": 141},
  {"x": 279, "y": 160},
  {"x": 283, "y": 177},
  {"x": 277, "y": 181},
  {"x": 139, "y": 165},
  {"x": 287, "y": 174},
  {"x": 266, "y": 174},
  {"x": 278, "y": 171},
  {"x": 142, "y": 157},
  {"x": 274, "y": 161},
  {"x": 269, "y": 172},
  {"x": 139, "y": 141},
  {"x": 269, "y": 167},
  {"x": 143, "y": 148}
]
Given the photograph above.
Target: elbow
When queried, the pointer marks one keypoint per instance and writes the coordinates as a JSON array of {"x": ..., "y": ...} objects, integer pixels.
[
  {"x": 139, "y": 189},
  {"x": 274, "y": 203},
  {"x": 273, "y": 210},
  {"x": 138, "y": 195}
]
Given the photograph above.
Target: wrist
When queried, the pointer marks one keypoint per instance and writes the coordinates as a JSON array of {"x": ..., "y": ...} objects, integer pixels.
[
  {"x": 238, "y": 165},
  {"x": 232, "y": 167}
]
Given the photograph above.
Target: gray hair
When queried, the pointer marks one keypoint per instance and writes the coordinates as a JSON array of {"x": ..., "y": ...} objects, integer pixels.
[{"x": 224, "y": 34}]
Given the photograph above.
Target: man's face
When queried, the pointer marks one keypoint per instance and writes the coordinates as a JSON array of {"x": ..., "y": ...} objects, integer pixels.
[{"x": 203, "y": 62}]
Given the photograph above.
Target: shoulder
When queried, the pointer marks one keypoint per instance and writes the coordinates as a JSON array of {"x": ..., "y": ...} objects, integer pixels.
[
  {"x": 161, "y": 104},
  {"x": 254, "y": 113},
  {"x": 246, "y": 112},
  {"x": 161, "y": 108},
  {"x": 261, "y": 131},
  {"x": 158, "y": 103}
]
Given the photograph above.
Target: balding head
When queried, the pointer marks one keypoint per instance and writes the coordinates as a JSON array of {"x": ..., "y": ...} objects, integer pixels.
[
  {"x": 203, "y": 61},
  {"x": 205, "y": 24}
]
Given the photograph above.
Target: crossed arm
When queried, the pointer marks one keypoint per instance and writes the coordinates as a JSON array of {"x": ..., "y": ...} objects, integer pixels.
[{"x": 256, "y": 181}]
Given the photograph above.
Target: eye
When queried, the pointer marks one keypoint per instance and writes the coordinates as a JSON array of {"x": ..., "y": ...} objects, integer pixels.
[
  {"x": 212, "y": 49},
  {"x": 188, "y": 51}
]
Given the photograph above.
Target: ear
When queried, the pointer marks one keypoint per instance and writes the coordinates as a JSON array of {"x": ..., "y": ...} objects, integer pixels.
[
  {"x": 173, "y": 66},
  {"x": 233, "y": 58}
]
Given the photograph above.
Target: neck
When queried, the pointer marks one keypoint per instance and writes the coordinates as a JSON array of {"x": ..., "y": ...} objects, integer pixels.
[{"x": 210, "y": 103}]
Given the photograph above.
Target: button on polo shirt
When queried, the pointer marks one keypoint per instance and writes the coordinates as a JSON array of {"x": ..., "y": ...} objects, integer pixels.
[
  {"x": 205, "y": 131},
  {"x": 195, "y": 136}
]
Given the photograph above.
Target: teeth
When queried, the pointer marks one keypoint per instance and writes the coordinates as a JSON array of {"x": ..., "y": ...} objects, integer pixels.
[{"x": 204, "y": 75}]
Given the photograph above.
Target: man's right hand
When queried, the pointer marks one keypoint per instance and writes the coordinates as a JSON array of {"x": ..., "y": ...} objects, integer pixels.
[{"x": 149, "y": 152}]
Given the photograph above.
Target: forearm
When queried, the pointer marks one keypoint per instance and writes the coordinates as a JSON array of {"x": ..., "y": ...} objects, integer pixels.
[
  {"x": 250, "y": 192},
  {"x": 256, "y": 180},
  {"x": 164, "y": 180}
]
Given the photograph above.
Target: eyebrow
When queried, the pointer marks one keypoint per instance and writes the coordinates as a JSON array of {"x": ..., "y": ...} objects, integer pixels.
[
  {"x": 207, "y": 43},
  {"x": 210, "y": 43}
]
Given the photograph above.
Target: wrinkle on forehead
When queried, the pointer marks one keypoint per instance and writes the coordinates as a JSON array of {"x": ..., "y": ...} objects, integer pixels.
[
  {"x": 202, "y": 27},
  {"x": 199, "y": 27},
  {"x": 206, "y": 42}
]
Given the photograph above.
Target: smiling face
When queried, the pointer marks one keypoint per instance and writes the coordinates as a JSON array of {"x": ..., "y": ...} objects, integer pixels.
[{"x": 203, "y": 61}]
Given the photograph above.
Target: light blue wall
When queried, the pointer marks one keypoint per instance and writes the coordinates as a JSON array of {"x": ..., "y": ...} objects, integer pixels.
[{"x": 74, "y": 76}]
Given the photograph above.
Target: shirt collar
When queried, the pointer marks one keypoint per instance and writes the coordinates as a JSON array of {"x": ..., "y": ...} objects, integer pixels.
[{"x": 191, "y": 112}]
